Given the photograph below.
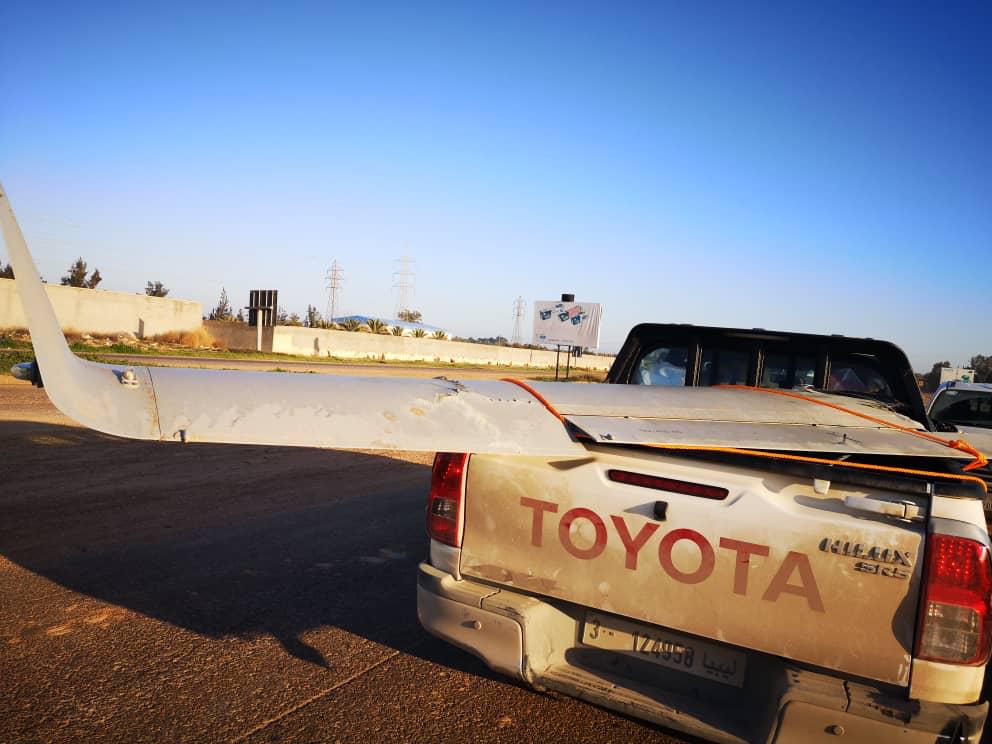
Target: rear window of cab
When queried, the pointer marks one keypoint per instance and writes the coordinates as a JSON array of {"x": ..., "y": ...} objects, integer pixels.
[{"x": 672, "y": 366}]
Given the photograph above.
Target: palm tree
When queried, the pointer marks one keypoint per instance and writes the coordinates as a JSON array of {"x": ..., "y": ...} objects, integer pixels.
[
  {"x": 377, "y": 326},
  {"x": 351, "y": 324},
  {"x": 439, "y": 335},
  {"x": 418, "y": 333},
  {"x": 397, "y": 330}
]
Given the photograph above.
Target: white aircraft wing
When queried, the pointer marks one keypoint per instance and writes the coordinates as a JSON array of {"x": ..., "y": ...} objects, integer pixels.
[
  {"x": 273, "y": 407},
  {"x": 497, "y": 417}
]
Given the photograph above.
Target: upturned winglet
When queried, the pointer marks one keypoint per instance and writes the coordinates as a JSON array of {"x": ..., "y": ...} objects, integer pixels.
[
  {"x": 86, "y": 392},
  {"x": 46, "y": 333}
]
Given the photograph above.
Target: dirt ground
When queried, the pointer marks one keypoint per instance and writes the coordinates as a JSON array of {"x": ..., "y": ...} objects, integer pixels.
[{"x": 157, "y": 592}]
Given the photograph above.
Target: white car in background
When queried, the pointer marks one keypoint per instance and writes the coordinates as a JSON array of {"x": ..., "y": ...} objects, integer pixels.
[{"x": 966, "y": 408}]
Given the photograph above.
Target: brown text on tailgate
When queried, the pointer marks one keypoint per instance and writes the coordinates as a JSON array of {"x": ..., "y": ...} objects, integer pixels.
[{"x": 794, "y": 575}]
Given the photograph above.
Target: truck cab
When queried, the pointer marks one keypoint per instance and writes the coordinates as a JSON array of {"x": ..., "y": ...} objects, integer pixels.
[{"x": 687, "y": 355}]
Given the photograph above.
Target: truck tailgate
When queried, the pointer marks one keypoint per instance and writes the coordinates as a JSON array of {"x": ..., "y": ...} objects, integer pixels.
[{"x": 772, "y": 566}]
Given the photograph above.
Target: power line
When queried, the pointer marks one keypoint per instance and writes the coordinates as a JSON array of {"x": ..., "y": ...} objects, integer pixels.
[
  {"x": 403, "y": 283},
  {"x": 335, "y": 280},
  {"x": 519, "y": 308}
]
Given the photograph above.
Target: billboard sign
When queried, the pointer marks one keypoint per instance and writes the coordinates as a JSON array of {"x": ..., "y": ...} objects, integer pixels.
[
  {"x": 958, "y": 374},
  {"x": 263, "y": 305},
  {"x": 567, "y": 323}
]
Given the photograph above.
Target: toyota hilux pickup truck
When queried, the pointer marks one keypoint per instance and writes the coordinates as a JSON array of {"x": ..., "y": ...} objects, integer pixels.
[
  {"x": 744, "y": 535},
  {"x": 775, "y": 590}
]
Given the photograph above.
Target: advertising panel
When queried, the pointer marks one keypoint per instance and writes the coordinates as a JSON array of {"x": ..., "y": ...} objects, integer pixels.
[
  {"x": 567, "y": 323},
  {"x": 958, "y": 374}
]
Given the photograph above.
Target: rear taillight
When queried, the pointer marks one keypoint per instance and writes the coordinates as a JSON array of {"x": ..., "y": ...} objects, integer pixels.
[
  {"x": 955, "y": 616},
  {"x": 444, "y": 507}
]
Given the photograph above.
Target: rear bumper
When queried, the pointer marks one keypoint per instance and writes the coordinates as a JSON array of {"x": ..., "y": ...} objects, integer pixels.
[{"x": 538, "y": 642}]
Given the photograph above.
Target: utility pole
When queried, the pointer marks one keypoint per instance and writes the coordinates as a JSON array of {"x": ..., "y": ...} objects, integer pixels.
[
  {"x": 403, "y": 283},
  {"x": 335, "y": 280},
  {"x": 518, "y": 320}
]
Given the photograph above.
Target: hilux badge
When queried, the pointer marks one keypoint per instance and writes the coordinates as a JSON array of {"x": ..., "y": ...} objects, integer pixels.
[{"x": 873, "y": 559}]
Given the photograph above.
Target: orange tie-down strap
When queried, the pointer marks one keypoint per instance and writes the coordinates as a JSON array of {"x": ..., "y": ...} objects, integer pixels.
[
  {"x": 980, "y": 460},
  {"x": 803, "y": 458}
]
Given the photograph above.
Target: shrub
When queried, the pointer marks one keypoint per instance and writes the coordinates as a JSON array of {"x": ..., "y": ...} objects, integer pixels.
[
  {"x": 197, "y": 338},
  {"x": 155, "y": 289}
]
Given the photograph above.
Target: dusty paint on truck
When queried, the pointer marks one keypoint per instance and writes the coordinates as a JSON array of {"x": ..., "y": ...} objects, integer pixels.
[
  {"x": 747, "y": 570},
  {"x": 794, "y": 562}
]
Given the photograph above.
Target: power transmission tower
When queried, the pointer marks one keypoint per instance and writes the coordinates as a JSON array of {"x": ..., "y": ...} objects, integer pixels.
[
  {"x": 518, "y": 320},
  {"x": 403, "y": 276},
  {"x": 335, "y": 280}
]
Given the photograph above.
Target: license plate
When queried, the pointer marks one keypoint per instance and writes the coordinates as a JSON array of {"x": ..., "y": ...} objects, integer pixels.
[{"x": 665, "y": 648}]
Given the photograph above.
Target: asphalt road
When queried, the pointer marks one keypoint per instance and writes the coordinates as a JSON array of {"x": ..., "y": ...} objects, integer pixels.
[{"x": 155, "y": 592}]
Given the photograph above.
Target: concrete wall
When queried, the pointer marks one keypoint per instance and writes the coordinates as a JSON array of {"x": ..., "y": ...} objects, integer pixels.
[
  {"x": 98, "y": 311},
  {"x": 236, "y": 335},
  {"x": 348, "y": 345}
]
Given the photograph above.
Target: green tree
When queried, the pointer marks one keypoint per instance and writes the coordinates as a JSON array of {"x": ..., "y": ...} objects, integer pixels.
[
  {"x": 223, "y": 309},
  {"x": 397, "y": 330},
  {"x": 6, "y": 272},
  {"x": 439, "y": 335},
  {"x": 418, "y": 333},
  {"x": 982, "y": 366},
  {"x": 351, "y": 324},
  {"x": 313, "y": 319},
  {"x": 155, "y": 289},
  {"x": 410, "y": 316},
  {"x": 77, "y": 276},
  {"x": 377, "y": 326}
]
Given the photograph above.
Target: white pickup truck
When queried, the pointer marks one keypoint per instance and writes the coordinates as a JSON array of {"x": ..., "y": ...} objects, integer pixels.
[
  {"x": 726, "y": 594},
  {"x": 749, "y": 536}
]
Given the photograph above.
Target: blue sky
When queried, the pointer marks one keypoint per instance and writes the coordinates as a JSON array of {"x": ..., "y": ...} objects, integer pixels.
[{"x": 809, "y": 167}]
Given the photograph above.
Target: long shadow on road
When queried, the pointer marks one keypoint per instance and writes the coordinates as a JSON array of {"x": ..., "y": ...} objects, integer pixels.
[{"x": 222, "y": 540}]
